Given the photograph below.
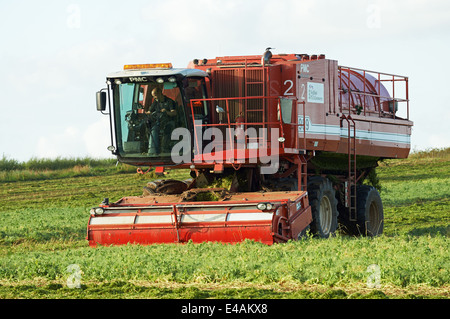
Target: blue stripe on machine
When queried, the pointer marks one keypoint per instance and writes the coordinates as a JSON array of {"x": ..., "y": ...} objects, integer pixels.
[{"x": 360, "y": 134}]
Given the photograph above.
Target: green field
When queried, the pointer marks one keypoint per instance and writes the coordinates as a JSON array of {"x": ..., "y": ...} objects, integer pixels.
[{"x": 44, "y": 209}]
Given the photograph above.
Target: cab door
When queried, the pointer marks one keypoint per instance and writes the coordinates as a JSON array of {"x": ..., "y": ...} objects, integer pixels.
[{"x": 288, "y": 123}]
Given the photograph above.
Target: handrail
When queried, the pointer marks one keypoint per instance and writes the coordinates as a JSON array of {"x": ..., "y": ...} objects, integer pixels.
[
  {"x": 264, "y": 123},
  {"x": 350, "y": 77},
  {"x": 382, "y": 73},
  {"x": 229, "y": 124}
]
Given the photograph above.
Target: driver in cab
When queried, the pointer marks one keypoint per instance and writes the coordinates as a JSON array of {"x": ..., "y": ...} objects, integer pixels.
[{"x": 162, "y": 116}]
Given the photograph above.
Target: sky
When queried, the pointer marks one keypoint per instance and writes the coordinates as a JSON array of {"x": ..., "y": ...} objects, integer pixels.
[{"x": 54, "y": 56}]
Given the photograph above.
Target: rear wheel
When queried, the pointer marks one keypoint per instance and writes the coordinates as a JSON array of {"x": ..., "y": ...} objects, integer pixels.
[
  {"x": 323, "y": 204},
  {"x": 369, "y": 210}
]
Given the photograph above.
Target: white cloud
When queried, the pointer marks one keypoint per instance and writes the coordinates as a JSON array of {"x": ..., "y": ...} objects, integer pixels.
[
  {"x": 96, "y": 138},
  {"x": 64, "y": 144},
  {"x": 75, "y": 142},
  {"x": 439, "y": 140},
  {"x": 414, "y": 17},
  {"x": 52, "y": 71}
]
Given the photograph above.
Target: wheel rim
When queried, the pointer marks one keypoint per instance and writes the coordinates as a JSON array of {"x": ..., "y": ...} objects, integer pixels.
[
  {"x": 326, "y": 215},
  {"x": 373, "y": 219}
]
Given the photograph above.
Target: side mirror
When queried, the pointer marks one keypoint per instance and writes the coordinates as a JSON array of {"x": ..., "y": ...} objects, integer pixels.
[{"x": 101, "y": 101}]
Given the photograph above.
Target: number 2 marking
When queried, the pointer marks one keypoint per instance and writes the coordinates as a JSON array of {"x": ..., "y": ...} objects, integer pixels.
[{"x": 291, "y": 84}]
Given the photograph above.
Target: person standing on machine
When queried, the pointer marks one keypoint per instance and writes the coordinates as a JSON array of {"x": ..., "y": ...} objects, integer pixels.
[{"x": 163, "y": 119}]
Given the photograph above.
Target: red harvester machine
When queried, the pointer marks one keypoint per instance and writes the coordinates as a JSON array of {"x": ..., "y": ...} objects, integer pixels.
[{"x": 276, "y": 145}]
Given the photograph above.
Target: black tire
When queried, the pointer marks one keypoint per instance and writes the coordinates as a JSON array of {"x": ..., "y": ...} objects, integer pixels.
[
  {"x": 369, "y": 213},
  {"x": 323, "y": 202},
  {"x": 304, "y": 234},
  {"x": 370, "y": 216}
]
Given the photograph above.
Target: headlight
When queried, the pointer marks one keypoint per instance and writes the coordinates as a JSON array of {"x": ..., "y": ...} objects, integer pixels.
[
  {"x": 160, "y": 80},
  {"x": 265, "y": 206},
  {"x": 261, "y": 206},
  {"x": 99, "y": 211}
]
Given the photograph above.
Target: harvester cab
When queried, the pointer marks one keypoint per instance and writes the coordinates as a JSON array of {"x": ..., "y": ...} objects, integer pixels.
[{"x": 149, "y": 103}]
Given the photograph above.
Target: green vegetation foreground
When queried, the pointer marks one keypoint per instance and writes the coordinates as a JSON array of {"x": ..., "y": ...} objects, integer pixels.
[{"x": 44, "y": 254}]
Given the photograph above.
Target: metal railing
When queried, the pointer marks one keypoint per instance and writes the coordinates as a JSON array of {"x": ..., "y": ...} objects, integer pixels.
[
  {"x": 367, "y": 95},
  {"x": 239, "y": 106}
]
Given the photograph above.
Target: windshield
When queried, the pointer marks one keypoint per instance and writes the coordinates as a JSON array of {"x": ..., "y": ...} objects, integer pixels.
[{"x": 146, "y": 114}]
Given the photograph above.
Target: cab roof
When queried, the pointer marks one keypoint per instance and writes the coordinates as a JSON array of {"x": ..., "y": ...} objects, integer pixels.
[{"x": 158, "y": 72}]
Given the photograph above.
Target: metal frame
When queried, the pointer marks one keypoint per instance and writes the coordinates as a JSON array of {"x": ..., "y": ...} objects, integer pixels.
[
  {"x": 377, "y": 96},
  {"x": 234, "y": 125}
]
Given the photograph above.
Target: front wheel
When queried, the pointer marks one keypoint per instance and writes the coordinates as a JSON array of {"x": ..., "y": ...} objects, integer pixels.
[{"x": 322, "y": 200}]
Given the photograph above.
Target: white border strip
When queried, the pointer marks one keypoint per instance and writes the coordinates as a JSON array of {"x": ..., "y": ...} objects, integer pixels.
[
  {"x": 336, "y": 130},
  {"x": 185, "y": 219}
]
